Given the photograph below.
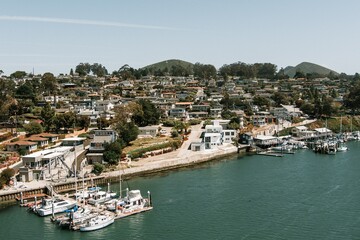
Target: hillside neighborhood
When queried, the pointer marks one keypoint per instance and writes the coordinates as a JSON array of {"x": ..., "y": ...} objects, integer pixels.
[{"x": 55, "y": 126}]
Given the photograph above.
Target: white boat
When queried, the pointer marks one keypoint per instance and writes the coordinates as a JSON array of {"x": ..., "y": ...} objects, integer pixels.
[
  {"x": 133, "y": 201},
  {"x": 101, "y": 197},
  {"x": 332, "y": 149},
  {"x": 342, "y": 148},
  {"x": 56, "y": 205},
  {"x": 97, "y": 222},
  {"x": 85, "y": 194},
  {"x": 73, "y": 216}
]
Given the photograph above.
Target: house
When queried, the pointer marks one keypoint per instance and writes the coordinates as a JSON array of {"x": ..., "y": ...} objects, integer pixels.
[
  {"x": 292, "y": 110},
  {"x": 215, "y": 112},
  {"x": 93, "y": 115},
  {"x": 47, "y": 164},
  {"x": 97, "y": 145},
  {"x": 103, "y": 106},
  {"x": 41, "y": 142},
  {"x": 264, "y": 141},
  {"x": 224, "y": 123},
  {"x": 177, "y": 113},
  {"x": 77, "y": 143},
  {"x": 229, "y": 135},
  {"x": 193, "y": 115},
  {"x": 200, "y": 108},
  {"x": 299, "y": 131},
  {"x": 212, "y": 139},
  {"x": 258, "y": 120},
  {"x": 323, "y": 132},
  {"x": 184, "y": 105},
  {"x": 148, "y": 131},
  {"x": 52, "y": 138},
  {"x": 246, "y": 138},
  {"x": 215, "y": 135},
  {"x": 100, "y": 138},
  {"x": 27, "y": 146}
]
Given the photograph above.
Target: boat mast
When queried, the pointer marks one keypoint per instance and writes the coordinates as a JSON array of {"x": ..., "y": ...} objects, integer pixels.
[
  {"x": 120, "y": 184},
  {"x": 75, "y": 170},
  {"x": 83, "y": 187},
  {"x": 340, "y": 125}
]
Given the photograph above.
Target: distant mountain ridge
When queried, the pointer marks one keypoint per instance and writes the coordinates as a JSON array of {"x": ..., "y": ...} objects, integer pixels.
[{"x": 307, "y": 67}]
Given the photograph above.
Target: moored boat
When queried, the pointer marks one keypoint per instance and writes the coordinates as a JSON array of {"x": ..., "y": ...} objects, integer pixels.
[
  {"x": 53, "y": 205},
  {"x": 98, "y": 222},
  {"x": 101, "y": 197}
]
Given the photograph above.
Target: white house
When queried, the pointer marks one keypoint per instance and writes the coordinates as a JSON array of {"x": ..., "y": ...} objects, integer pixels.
[{"x": 215, "y": 135}]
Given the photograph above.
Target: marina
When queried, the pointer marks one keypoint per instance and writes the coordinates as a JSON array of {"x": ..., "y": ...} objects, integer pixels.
[{"x": 300, "y": 196}]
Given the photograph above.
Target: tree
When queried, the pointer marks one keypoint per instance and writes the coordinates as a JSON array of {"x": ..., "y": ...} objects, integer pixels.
[
  {"x": 6, "y": 176},
  {"x": 102, "y": 123},
  {"x": 227, "y": 114},
  {"x": 204, "y": 71},
  {"x": 299, "y": 74},
  {"x": 352, "y": 99},
  {"x": 7, "y": 88},
  {"x": 98, "y": 168},
  {"x": 25, "y": 91},
  {"x": 33, "y": 128},
  {"x": 48, "y": 116},
  {"x": 49, "y": 84},
  {"x": 83, "y": 69},
  {"x": 124, "y": 113},
  {"x": 83, "y": 122},
  {"x": 261, "y": 101},
  {"x": 280, "y": 98},
  {"x": 127, "y": 132},
  {"x": 112, "y": 152},
  {"x": 98, "y": 70},
  {"x": 148, "y": 115},
  {"x": 65, "y": 120},
  {"x": 71, "y": 72},
  {"x": 18, "y": 74}
]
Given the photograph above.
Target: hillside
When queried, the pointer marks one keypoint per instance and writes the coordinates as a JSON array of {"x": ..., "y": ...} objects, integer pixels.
[
  {"x": 307, "y": 67},
  {"x": 169, "y": 64}
]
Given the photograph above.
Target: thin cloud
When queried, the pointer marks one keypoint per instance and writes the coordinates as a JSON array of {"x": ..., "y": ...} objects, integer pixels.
[{"x": 82, "y": 22}]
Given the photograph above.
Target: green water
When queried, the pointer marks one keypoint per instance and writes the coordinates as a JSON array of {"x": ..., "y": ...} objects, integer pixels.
[{"x": 300, "y": 196}]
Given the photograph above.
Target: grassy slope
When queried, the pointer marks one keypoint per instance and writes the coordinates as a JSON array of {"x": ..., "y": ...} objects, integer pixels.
[
  {"x": 169, "y": 63},
  {"x": 307, "y": 67}
]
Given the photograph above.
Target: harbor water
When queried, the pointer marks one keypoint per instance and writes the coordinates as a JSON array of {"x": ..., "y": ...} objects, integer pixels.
[{"x": 300, "y": 196}]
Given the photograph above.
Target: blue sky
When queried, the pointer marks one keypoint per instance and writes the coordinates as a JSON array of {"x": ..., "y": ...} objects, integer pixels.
[{"x": 54, "y": 36}]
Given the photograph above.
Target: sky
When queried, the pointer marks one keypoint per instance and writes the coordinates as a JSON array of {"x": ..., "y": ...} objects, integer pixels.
[{"x": 55, "y": 36}]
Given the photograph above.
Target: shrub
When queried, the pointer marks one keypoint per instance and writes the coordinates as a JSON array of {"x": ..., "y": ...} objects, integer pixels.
[
  {"x": 6, "y": 175},
  {"x": 5, "y": 136},
  {"x": 194, "y": 121},
  {"x": 137, "y": 153},
  {"x": 174, "y": 134},
  {"x": 169, "y": 123},
  {"x": 98, "y": 168}
]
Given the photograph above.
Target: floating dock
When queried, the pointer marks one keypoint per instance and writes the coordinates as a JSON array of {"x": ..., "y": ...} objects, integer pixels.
[{"x": 271, "y": 154}]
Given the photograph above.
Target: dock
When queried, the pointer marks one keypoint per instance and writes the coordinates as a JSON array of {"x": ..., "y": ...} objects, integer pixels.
[
  {"x": 271, "y": 154},
  {"x": 65, "y": 219}
]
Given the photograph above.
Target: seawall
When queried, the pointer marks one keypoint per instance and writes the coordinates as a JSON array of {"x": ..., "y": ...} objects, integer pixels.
[{"x": 12, "y": 195}]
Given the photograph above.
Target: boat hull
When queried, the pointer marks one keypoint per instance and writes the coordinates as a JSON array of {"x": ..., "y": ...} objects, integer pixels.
[
  {"x": 96, "y": 227},
  {"x": 48, "y": 211}
]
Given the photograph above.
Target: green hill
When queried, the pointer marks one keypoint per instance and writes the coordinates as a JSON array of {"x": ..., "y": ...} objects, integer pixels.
[
  {"x": 307, "y": 67},
  {"x": 169, "y": 64}
]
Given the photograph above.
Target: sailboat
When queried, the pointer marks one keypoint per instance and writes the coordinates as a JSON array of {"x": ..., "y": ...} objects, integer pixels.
[{"x": 342, "y": 147}]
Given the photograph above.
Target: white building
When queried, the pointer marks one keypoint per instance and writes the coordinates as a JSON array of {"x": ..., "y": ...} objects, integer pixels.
[{"x": 215, "y": 135}]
